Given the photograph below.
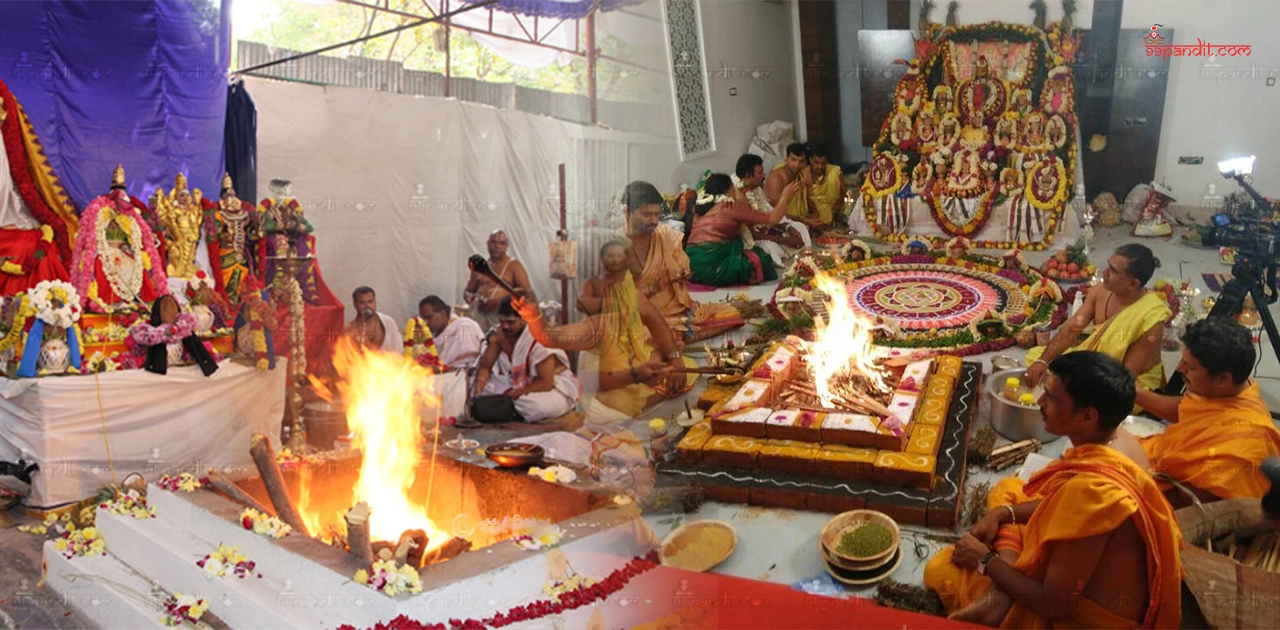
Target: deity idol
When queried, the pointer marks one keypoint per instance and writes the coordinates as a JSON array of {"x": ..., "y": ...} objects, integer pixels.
[
  {"x": 182, "y": 216},
  {"x": 115, "y": 263},
  {"x": 238, "y": 226},
  {"x": 284, "y": 227}
]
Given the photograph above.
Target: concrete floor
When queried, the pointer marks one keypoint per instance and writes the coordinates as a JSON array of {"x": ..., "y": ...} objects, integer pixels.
[{"x": 775, "y": 545}]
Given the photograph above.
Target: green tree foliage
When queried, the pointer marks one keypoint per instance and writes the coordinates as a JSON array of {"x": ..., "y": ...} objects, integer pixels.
[{"x": 301, "y": 26}]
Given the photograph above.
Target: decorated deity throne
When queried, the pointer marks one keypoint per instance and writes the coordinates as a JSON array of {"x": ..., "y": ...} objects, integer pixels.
[{"x": 982, "y": 140}]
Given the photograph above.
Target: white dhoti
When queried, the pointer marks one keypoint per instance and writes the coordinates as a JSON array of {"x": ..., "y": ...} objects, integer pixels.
[
  {"x": 520, "y": 369},
  {"x": 536, "y": 406}
]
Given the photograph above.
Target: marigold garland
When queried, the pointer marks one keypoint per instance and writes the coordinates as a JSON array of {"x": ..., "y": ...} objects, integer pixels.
[{"x": 419, "y": 344}]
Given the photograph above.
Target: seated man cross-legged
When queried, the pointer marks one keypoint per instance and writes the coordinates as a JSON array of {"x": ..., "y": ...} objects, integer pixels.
[
  {"x": 1221, "y": 429},
  {"x": 1088, "y": 542},
  {"x": 536, "y": 377},
  {"x": 1127, "y": 319}
]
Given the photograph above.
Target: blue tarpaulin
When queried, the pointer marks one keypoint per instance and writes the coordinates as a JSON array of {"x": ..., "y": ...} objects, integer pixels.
[{"x": 138, "y": 82}]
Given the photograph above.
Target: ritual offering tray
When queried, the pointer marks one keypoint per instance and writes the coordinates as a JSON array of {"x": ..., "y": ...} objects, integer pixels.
[
  {"x": 698, "y": 546},
  {"x": 901, "y": 453},
  {"x": 514, "y": 454}
]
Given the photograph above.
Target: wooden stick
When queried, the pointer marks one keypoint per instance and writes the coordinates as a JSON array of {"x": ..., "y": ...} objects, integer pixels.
[
  {"x": 229, "y": 488},
  {"x": 814, "y": 409},
  {"x": 357, "y": 519},
  {"x": 868, "y": 402},
  {"x": 265, "y": 458},
  {"x": 418, "y": 549}
]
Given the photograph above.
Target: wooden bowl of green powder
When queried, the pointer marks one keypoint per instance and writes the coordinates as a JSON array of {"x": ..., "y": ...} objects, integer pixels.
[{"x": 861, "y": 539}]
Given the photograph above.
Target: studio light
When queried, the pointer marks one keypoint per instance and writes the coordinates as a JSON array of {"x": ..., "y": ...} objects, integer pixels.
[{"x": 1236, "y": 166}]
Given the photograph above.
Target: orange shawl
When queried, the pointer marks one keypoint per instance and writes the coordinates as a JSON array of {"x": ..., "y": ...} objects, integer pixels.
[
  {"x": 1218, "y": 444},
  {"x": 1093, "y": 490}
]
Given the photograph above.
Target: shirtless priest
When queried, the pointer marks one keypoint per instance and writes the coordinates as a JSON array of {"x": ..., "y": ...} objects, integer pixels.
[
  {"x": 1127, "y": 319},
  {"x": 370, "y": 329},
  {"x": 483, "y": 294},
  {"x": 1088, "y": 542}
]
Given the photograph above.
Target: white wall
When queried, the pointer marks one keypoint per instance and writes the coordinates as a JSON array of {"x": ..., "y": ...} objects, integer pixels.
[
  {"x": 1217, "y": 112},
  {"x": 749, "y": 47},
  {"x": 1016, "y": 11}
]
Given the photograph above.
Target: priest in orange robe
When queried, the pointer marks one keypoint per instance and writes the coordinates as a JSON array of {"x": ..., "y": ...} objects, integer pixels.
[
  {"x": 1221, "y": 429},
  {"x": 1092, "y": 542}
]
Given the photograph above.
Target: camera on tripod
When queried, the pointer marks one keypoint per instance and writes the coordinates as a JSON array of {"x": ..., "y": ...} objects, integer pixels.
[{"x": 1249, "y": 229}]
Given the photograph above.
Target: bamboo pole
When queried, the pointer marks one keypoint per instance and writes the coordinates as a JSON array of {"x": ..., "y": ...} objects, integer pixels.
[{"x": 265, "y": 458}]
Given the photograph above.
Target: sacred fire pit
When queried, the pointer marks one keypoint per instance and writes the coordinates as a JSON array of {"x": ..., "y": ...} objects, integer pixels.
[
  {"x": 480, "y": 542},
  {"x": 836, "y": 424}
]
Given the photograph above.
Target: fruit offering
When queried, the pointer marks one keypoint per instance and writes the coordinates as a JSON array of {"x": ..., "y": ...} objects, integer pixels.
[{"x": 1070, "y": 265}]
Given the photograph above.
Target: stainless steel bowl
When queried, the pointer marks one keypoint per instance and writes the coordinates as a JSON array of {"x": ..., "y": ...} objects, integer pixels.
[
  {"x": 1011, "y": 420},
  {"x": 514, "y": 454}
]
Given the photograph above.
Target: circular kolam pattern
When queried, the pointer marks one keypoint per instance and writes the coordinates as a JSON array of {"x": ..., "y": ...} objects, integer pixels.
[{"x": 933, "y": 300}]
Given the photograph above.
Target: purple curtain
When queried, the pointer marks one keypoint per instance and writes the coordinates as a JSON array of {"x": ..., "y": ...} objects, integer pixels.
[
  {"x": 137, "y": 82},
  {"x": 569, "y": 10}
]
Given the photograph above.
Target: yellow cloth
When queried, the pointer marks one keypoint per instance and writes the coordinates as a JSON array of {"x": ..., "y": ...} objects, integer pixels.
[
  {"x": 826, "y": 194},
  {"x": 798, "y": 207},
  {"x": 1092, "y": 490},
  {"x": 663, "y": 281},
  {"x": 1218, "y": 444},
  {"x": 622, "y": 343},
  {"x": 1115, "y": 335}
]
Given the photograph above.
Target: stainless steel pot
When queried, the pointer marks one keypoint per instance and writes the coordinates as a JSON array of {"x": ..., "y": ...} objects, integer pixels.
[{"x": 1011, "y": 420}]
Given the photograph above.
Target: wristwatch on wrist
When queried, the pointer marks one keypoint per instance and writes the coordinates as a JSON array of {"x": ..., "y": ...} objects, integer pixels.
[
  {"x": 673, "y": 355},
  {"x": 982, "y": 564}
]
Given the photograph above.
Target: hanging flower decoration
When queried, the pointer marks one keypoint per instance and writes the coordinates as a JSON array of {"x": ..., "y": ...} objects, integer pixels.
[
  {"x": 184, "y": 609},
  {"x": 227, "y": 561},
  {"x": 264, "y": 524},
  {"x": 185, "y": 482},
  {"x": 391, "y": 580},
  {"x": 538, "y": 535}
]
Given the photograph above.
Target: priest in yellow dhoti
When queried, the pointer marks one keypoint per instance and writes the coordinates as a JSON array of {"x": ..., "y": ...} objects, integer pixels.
[
  {"x": 1221, "y": 429},
  {"x": 638, "y": 362},
  {"x": 1089, "y": 542},
  {"x": 1127, "y": 319},
  {"x": 660, "y": 267},
  {"x": 794, "y": 168},
  {"x": 827, "y": 190}
]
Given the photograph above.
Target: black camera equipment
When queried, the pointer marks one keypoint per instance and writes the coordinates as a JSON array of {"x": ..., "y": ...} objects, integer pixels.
[{"x": 1257, "y": 244}]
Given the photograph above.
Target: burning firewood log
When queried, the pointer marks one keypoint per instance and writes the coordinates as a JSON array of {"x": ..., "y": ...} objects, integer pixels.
[
  {"x": 357, "y": 519},
  {"x": 417, "y": 547},
  {"x": 229, "y": 488},
  {"x": 406, "y": 545},
  {"x": 450, "y": 550},
  {"x": 265, "y": 458},
  {"x": 383, "y": 550}
]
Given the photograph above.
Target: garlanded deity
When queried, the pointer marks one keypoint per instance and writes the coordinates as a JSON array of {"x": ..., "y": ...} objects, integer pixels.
[
  {"x": 115, "y": 262},
  {"x": 949, "y": 130},
  {"x": 1006, "y": 136},
  {"x": 238, "y": 230},
  {"x": 182, "y": 216},
  {"x": 1056, "y": 131},
  {"x": 900, "y": 127},
  {"x": 1056, "y": 97},
  {"x": 284, "y": 227},
  {"x": 943, "y": 99},
  {"x": 921, "y": 176},
  {"x": 1021, "y": 101},
  {"x": 927, "y": 125},
  {"x": 1033, "y": 137},
  {"x": 1010, "y": 181},
  {"x": 983, "y": 94}
]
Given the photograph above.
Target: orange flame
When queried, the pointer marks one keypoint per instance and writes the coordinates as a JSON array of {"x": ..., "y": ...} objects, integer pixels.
[
  {"x": 387, "y": 395},
  {"x": 842, "y": 345}
]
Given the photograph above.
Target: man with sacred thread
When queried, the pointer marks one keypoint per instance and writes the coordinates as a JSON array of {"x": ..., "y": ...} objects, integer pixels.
[
  {"x": 182, "y": 215},
  {"x": 115, "y": 262},
  {"x": 371, "y": 329}
]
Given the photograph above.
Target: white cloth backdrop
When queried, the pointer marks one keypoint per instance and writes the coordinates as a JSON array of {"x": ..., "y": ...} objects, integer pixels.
[
  {"x": 157, "y": 425},
  {"x": 401, "y": 189}
]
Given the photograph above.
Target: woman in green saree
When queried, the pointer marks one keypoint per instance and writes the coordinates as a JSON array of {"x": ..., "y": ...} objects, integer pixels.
[{"x": 717, "y": 254}]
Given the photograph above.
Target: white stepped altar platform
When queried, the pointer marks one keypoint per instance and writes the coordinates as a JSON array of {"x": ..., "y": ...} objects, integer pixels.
[{"x": 308, "y": 584}]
